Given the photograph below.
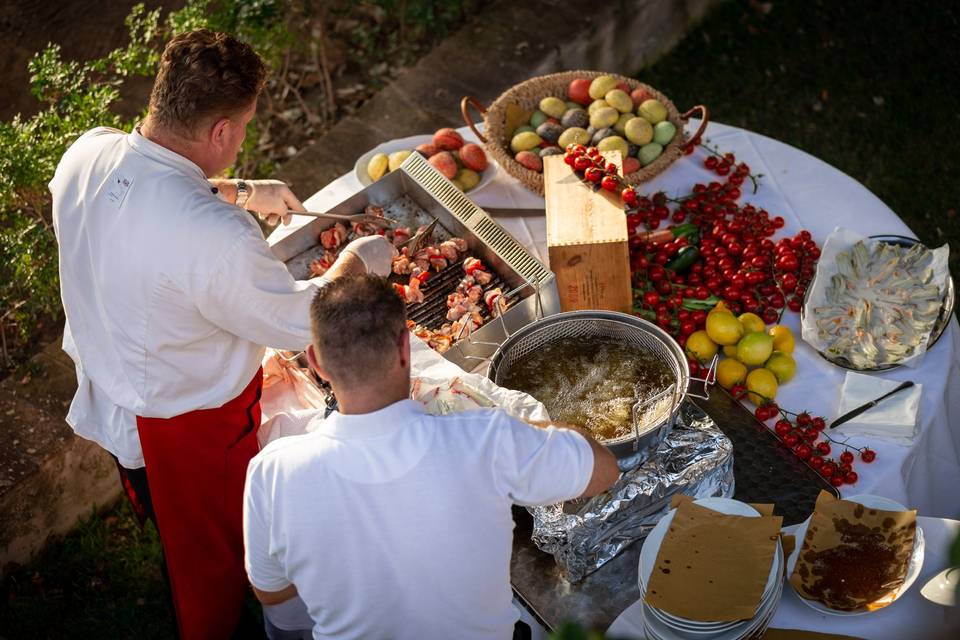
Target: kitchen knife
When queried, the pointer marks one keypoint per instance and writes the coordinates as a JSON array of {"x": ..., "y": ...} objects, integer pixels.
[{"x": 854, "y": 413}]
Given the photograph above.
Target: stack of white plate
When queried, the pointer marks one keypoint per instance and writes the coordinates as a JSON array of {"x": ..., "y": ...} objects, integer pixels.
[{"x": 660, "y": 625}]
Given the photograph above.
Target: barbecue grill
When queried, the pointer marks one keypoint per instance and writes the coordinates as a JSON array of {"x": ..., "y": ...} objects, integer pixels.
[{"x": 415, "y": 194}]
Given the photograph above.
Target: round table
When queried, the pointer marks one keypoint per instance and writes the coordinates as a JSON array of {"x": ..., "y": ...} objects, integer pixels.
[{"x": 809, "y": 194}]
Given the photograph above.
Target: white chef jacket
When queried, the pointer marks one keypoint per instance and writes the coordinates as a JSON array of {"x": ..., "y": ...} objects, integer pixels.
[
  {"x": 397, "y": 523},
  {"x": 170, "y": 293}
]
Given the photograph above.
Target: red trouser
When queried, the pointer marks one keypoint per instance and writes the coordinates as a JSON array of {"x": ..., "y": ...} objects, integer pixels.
[{"x": 196, "y": 466}]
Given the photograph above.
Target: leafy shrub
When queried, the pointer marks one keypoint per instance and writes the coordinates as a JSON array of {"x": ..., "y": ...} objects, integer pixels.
[{"x": 78, "y": 96}]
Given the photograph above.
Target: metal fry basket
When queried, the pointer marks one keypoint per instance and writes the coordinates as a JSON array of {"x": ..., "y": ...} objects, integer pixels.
[{"x": 653, "y": 417}]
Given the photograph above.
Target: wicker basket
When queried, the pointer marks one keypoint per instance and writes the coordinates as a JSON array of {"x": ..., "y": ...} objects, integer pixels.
[{"x": 516, "y": 103}]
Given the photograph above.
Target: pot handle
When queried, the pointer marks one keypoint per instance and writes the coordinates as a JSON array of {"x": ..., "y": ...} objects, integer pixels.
[
  {"x": 465, "y": 104},
  {"x": 704, "y": 121},
  {"x": 709, "y": 379}
]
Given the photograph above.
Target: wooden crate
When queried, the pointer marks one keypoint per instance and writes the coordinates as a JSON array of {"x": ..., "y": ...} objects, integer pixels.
[{"x": 586, "y": 241}]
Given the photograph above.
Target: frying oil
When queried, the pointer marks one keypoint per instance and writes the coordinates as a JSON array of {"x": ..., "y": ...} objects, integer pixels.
[{"x": 591, "y": 382}]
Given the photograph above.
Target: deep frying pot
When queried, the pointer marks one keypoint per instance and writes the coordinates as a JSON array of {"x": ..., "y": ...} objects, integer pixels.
[{"x": 648, "y": 431}]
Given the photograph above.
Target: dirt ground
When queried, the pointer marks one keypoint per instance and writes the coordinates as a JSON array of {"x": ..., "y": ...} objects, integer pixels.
[{"x": 84, "y": 30}]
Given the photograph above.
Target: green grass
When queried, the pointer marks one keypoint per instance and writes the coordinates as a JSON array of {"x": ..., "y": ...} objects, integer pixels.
[
  {"x": 102, "y": 580},
  {"x": 869, "y": 87}
]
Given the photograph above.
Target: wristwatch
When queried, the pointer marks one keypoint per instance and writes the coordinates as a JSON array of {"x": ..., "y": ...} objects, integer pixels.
[{"x": 243, "y": 193}]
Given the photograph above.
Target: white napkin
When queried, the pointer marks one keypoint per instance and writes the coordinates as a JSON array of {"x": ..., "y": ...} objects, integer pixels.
[{"x": 893, "y": 419}]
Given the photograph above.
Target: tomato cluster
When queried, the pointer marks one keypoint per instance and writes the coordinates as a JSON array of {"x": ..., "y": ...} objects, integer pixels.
[
  {"x": 713, "y": 249},
  {"x": 806, "y": 436}
]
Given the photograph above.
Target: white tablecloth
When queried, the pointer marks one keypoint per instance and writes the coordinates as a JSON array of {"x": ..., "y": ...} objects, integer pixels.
[
  {"x": 911, "y": 616},
  {"x": 809, "y": 194}
]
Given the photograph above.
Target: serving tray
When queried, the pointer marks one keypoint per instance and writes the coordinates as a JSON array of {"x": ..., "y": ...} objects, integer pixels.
[
  {"x": 943, "y": 319},
  {"x": 765, "y": 470}
]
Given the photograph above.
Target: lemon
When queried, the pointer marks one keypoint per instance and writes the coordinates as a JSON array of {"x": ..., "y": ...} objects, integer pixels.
[
  {"x": 761, "y": 386},
  {"x": 730, "y": 350},
  {"x": 782, "y": 338},
  {"x": 718, "y": 308},
  {"x": 751, "y": 322},
  {"x": 754, "y": 348},
  {"x": 730, "y": 372},
  {"x": 782, "y": 365},
  {"x": 724, "y": 328},
  {"x": 700, "y": 346}
]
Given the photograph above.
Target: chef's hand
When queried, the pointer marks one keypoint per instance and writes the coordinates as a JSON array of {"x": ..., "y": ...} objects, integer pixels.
[
  {"x": 376, "y": 253},
  {"x": 271, "y": 200}
]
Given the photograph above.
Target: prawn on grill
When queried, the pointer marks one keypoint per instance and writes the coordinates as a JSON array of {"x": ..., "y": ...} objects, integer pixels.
[
  {"x": 400, "y": 235},
  {"x": 432, "y": 257},
  {"x": 361, "y": 229},
  {"x": 462, "y": 308},
  {"x": 448, "y": 249},
  {"x": 474, "y": 268},
  {"x": 495, "y": 301},
  {"x": 333, "y": 237},
  {"x": 373, "y": 210},
  {"x": 410, "y": 293},
  {"x": 320, "y": 266},
  {"x": 402, "y": 264}
]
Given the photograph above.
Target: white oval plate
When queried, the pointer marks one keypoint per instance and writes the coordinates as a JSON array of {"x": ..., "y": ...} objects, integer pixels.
[
  {"x": 655, "y": 628},
  {"x": 411, "y": 143},
  {"x": 913, "y": 569},
  {"x": 713, "y": 630},
  {"x": 648, "y": 557}
]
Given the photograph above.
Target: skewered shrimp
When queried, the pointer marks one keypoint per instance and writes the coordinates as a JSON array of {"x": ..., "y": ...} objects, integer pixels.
[
  {"x": 334, "y": 236},
  {"x": 410, "y": 293},
  {"x": 401, "y": 235}
]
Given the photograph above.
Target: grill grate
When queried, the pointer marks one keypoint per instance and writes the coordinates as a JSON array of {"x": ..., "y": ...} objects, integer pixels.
[{"x": 432, "y": 312}]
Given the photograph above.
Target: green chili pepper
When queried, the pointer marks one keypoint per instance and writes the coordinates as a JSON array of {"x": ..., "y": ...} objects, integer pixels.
[{"x": 684, "y": 258}]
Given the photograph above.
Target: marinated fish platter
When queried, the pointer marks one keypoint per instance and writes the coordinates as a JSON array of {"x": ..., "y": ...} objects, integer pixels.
[{"x": 880, "y": 303}]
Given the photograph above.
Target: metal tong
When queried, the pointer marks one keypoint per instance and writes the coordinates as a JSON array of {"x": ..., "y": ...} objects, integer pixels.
[
  {"x": 417, "y": 242},
  {"x": 350, "y": 219}
]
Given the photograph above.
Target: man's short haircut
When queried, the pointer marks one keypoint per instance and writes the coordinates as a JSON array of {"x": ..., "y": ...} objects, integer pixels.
[
  {"x": 356, "y": 321},
  {"x": 203, "y": 77}
]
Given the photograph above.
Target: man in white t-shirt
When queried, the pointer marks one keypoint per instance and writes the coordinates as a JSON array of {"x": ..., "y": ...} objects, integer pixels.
[{"x": 389, "y": 522}]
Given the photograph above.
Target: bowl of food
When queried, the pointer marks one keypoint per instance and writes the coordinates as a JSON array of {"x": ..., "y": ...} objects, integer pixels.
[
  {"x": 620, "y": 377},
  {"x": 456, "y": 156},
  {"x": 877, "y": 303},
  {"x": 542, "y": 115},
  {"x": 834, "y": 581}
]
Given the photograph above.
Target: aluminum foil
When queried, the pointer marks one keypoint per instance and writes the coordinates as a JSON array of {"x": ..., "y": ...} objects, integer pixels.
[{"x": 695, "y": 459}]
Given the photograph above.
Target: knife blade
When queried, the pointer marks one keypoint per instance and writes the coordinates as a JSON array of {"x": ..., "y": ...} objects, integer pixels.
[{"x": 855, "y": 412}]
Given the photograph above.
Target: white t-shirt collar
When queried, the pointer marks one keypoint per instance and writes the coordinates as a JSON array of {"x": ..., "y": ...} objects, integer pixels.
[
  {"x": 369, "y": 425},
  {"x": 156, "y": 152}
]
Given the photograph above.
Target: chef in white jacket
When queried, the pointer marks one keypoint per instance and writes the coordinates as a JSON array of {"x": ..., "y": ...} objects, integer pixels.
[{"x": 171, "y": 293}]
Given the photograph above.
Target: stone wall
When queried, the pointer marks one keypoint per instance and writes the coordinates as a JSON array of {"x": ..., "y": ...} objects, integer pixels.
[{"x": 49, "y": 478}]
